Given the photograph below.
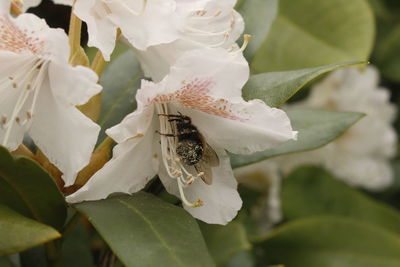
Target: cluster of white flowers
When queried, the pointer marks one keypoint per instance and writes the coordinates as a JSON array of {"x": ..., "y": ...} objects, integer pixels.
[
  {"x": 186, "y": 118},
  {"x": 361, "y": 157}
]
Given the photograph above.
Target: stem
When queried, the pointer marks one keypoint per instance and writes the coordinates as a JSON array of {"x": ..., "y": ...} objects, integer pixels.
[
  {"x": 98, "y": 64},
  {"x": 74, "y": 34},
  {"x": 16, "y": 7},
  {"x": 22, "y": 150}
]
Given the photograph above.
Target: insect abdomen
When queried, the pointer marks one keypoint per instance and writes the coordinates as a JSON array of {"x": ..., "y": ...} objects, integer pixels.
[{"x": 190, "y": 151}]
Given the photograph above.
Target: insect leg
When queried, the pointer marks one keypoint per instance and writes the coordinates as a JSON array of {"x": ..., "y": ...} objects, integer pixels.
[{"x": 168, "y": 135}]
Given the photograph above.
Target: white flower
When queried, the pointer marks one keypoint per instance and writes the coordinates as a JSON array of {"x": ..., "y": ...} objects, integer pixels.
[
  {"x": 63, "y": 2},
  {"x": 203, "y": 24},
  {"x": 203, "y": 91},
  {"x": 361, "y": 156},
  {"x": 265, "y": 178},
  {"x": 39, "y": 91},
  {"x": 142, "y": 22}
]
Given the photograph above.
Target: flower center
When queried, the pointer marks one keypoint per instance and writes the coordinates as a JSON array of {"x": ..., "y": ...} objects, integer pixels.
[
  {"x": 24, "y": 86},
  {"x": 173, "y": 162},
  {"x": 18, "y": 40}
]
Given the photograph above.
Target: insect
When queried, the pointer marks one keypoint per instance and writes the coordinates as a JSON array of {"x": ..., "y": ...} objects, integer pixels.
[{"x": 192, "y": 148}]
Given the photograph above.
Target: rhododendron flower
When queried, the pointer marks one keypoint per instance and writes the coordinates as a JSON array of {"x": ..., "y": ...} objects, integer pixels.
[
  {"x": 198, "y": 107},
  {"x": 39, "y": 91},
  {"x": 361, "y": 156},
  {"x": 203, "y": 24},
  {"x": 142, "y": 22}
]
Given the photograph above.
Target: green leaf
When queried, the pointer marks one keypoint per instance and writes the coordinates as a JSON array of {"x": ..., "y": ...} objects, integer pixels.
[
  {"x": 303, "y": 187},
  {"x": 242, "y": 259},
  {"x": 311, "y": 33},
  {"x": 76, "y": 247},
  {"x": 28, "y": 189},
  {"x": 316, "y": 128},
  {"x": 120, "y": 81},
  {"x": 142, "y": 230},
  {"x": 18, "y": 233},
  {"x": 330, "y": 242},
  {"x": 5, "y": 262},
  {"x": 275, "y": 88},
  {"x": 258, "y": 16},
  {"x": 224, "y": 242},
  {"x": 387, "y": 54}
]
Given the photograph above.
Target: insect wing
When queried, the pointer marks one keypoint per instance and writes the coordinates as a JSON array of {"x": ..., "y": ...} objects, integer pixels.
[
  {"x": 203, "y": 167},
  {"x": 209, "y": 155}
]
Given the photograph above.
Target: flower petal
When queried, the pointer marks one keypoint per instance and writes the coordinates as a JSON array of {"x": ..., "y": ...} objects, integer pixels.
[
  {"x": 221, "y": 199},
  {"x": 73, "y": 85},
  {"x": 31, "y": 3},
  {"x": 63, "y": 133},
  {"x": 63, "y": 2},
  {"x": 154, "y": 21},
  {"x": 371, "y": 173},
  {"x": 227, "y": 72},
  {"x": 135, "y": 124},
  {"x": 131, "y": 167},
  {"x": 253, "y": 127},
  {"x": 102, "y": 33}
]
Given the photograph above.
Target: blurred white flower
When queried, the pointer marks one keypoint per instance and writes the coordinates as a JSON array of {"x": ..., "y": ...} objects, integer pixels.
[
  {"x": 142, "y": 22},
  {"x": 361, "y": 156},
  {"x": 40, "y": 91},
  {"x": 193, "y": 111},
  {"x": 265, "y": 178},
  {"x": 203, "y": 24}
]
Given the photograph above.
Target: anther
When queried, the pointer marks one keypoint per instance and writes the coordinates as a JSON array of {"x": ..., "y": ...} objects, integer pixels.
[
  {"x": 29, "y": 114},
  {"x": 246, "y": 40},
  {"x": 3, "y": 120},
  {"x": 218, "y": 13},
  {"x": 17, "y": 119},
  {"x": 14, "y": 85},
  {"x": 201, "y": 13}
]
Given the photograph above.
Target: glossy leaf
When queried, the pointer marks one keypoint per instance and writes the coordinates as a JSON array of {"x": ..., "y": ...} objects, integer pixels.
[
  {"x": 387, "y": 54},
  {"x": 142, "y": 230},
  {"x": 311, "y": 33},
  {"x": 258, "y": 16},
  {"x": 18, "y": 233},
  {"x": 29, "y": 190},
  {"x": 120, "y": 81},
  {"x": 311, "y": 191},
  {"x": 5, "y": 262},
  {"x": 224, "y": 242},
  {"x": 316, "y": 128},
  {"x": 76, "y": 247},
  {"x": 275, "y": 88},
  {"x": 330, "y": 242}
]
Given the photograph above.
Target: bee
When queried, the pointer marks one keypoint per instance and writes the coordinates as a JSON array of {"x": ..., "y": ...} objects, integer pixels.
[{"x": 192, "y": 148}]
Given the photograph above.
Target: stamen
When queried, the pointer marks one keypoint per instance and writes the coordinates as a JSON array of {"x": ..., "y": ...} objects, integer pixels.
[
  {"x": 173, "y": 165},
  {"x": 234, "y": 48},
  {"x": 26, "y": 89},
  {"x": 246, "y": 40},
  {"x": 3, "y": 121},
  {"x": 196, "y": 204}
]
